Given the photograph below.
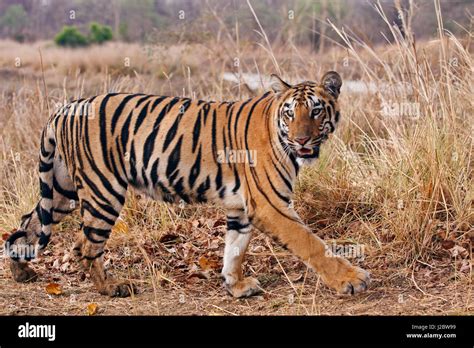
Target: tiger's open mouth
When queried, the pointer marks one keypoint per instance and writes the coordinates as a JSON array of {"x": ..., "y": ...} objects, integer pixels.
[{"x": 305, "y": 152}]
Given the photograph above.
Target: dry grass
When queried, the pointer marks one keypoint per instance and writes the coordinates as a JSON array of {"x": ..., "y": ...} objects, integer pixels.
[{"x": 401, "y": 186}]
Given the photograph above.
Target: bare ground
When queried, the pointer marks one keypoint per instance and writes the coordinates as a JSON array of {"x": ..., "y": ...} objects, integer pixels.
[{"x": 177, "y": 273}]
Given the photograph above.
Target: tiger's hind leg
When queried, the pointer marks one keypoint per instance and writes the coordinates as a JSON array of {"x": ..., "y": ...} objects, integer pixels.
[
  {"x": 99, "y": 214},
  {"x": 239, "y": 233},
  {"x": 24, "y": 245}
]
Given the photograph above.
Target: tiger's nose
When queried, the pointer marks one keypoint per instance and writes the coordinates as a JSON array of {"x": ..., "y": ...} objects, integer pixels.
[{"x": 301, "y": 140}]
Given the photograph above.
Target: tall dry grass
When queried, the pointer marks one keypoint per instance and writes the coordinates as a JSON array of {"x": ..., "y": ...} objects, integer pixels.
[{"x": 399, "y": 184}]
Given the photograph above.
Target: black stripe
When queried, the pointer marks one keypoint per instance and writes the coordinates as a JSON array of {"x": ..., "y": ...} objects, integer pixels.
[
  {"x": 218, "y": 179},
  {"x": 95, "y": 213},
  {"x": 100, "y": 232},
  {"x": 236, "y": 122},
  {"x": 202, "y": 190},
  {"x": 119, "y": 110},
  {"x": 115, "y": 170},
  {"x": 173, "y": 161},
  {"x": 157, "y": 102},
  {"x": 167, "y": 195},
  {"x": 154, "y": 172},
  {"x": 90, "y": 258},
  {"x": 174, "y": 128},
  {"x": 9, "y": 243},
  {"x": 46, "y": 217},
  {"x": 121, "y": 157},
  {"x": 61, "y": 211},
  {"x": 141, "y": 117},
  {"x": 236, "y": 225},
  {"x": 104, "y": 128},
  {"x": 225, "y": 142},
  {"x": 171, "y": 133},
  {"x": 72, "y": 195},
  {"x": 26, "y": 217},
  {"x": 43, "y": 240},
  {"x": 205, "y": 112},
  {"x": 145, "y": 98},
  {"x": 45, "y": 190},
  {"x": 214, "y": 137},
  {"x": 179, "y": 189},
  {"x": 229, "y": 123},
  {"x": 124, "y": 134},
  {"x": 43, "y": 151},
  {"x": 45, "y": 167},
  {"x": 196, "y": 131},
  {"x": 195, "y": 169},
  {"x": 144, "y": 177},
  {"x": 285, "y": 180},
  {"x": 331, "y": 126},
  {"x": 237, "y": 181},
  {"x": 107, "y": 208},
  {"x": 133, "y": 165},
  {"x": 276, "y": 191}
]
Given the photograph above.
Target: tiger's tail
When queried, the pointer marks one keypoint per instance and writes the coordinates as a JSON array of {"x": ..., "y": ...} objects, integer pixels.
[
  {"x": 25, "y": 249},
  {"x": 46, "y": 177}
]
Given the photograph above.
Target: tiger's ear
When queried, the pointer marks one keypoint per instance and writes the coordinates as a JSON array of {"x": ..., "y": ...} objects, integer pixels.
[
  {"x": 278, "y": 85},
  {"x": 332, "y": 82}
]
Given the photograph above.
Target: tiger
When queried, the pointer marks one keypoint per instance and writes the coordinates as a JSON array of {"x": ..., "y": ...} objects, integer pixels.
[{"x": 171, "y": 149}]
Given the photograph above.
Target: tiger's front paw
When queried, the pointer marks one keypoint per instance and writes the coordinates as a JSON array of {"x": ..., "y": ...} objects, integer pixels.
[
  {"x": 244, "y": 288},
  {"x": 346, "y": 278},
  {"x": 118, "y": 289}
]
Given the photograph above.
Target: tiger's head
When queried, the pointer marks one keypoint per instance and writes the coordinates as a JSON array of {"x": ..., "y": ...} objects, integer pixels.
[{"x": 307, "y": 113}]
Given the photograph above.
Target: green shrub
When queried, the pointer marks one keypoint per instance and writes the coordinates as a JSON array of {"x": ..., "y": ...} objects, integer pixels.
[
  {"x": 14, "y": 21},
  {"x": 99, "y": 33},
  {"x": 70, "y": 36}
]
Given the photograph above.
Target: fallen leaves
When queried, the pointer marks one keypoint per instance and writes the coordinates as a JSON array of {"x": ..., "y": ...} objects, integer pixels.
[
  {"x": 169, "y": 239},
  {"x": 454, "y": 249},
  {"x": 6, "y": 235},
  {"x": 208, "y": 264},
  {"x": 120, "y": 227},
  {"x": 295, "y": 276},
  {"x": 54, "y": 289},
  {"x": 459, "y": 251},
  {"x": 447, "y": 244},
  {"x": 92, "y": 308}
]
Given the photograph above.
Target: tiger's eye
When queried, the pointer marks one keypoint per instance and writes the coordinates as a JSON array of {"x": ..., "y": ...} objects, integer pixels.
[
  {"x": 290, "y": 113},
  {"x": 315, "y": 112}
]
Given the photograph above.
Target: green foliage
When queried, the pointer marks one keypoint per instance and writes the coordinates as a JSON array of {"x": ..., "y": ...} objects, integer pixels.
[
  {"x": 15, "y": 19},
  {"x": 70, "y": 36},
  {"x": 123, "y": 31},
  {"x": 99, "y": 33}
]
